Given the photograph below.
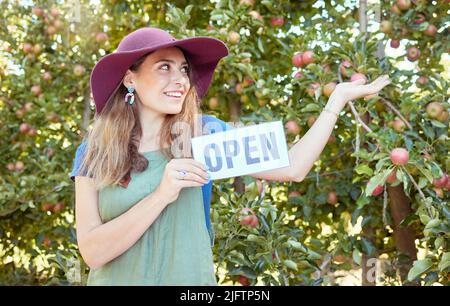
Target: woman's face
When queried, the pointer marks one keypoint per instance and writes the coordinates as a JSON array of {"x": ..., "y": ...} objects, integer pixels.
[{"x": 162, "y": 81}]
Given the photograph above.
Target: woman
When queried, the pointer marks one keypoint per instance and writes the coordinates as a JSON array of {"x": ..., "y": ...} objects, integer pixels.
[{"x": 141, "y": 216}]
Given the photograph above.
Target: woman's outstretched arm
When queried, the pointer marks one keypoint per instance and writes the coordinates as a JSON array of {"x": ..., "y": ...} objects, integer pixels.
[{"x": 308, "y": 149}]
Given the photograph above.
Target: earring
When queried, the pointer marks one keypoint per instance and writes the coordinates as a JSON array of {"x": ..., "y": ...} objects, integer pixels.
[{"x": 131, "y": 95}]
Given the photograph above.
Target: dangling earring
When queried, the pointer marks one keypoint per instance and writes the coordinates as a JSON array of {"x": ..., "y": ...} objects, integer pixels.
[{"x": 130, "y": 94}]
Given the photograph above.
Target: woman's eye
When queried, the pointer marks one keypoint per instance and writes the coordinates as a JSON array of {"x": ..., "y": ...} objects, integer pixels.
[{"x": 186, "y": 68}]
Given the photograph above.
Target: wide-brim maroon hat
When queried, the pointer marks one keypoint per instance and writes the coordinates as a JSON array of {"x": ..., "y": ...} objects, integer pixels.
[{"x": 204, "y": 54}]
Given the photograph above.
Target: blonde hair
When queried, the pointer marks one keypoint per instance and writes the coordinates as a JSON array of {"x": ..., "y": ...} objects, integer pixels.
[{"x": 113, "y": 142}]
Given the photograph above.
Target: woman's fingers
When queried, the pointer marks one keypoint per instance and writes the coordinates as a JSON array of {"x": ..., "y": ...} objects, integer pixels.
[
  {"x": 191, "y": 176},
  {"x": 190, "y": 166}
]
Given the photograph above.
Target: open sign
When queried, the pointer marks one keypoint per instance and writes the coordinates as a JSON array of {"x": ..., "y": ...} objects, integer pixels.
[{"x": 242, "y": 151}]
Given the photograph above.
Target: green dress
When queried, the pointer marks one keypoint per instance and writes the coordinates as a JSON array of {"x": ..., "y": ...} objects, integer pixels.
[{"x": 174, "y": 250}]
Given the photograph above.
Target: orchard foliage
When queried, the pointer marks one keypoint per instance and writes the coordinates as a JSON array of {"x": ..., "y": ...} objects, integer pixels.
[{"x": 286, "y": 58}]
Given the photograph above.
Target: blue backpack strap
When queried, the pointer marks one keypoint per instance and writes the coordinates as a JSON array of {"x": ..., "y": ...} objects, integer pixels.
[
  {"x": 79, "y": 155},
  {"x": 210, "y": 125}
]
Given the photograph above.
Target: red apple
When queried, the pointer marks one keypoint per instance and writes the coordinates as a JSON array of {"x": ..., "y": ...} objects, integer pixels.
[
  {"x": 47, "y": 207},
  {"x": 331, "y": 139},
  {"x": 422, "y": 80},
  {"x": 52, "y": 117},
  {"x": 294, "y": 194},
  {"x": 47, "y": 242},
  {"x": 32, "y": 132},
  {"x": 358, "y": 76},
  {"x": 378, "y": 190},
  {"x": 244, "y": 281},
  {"x": 10, "y": 167},
  {"x": 412, "y": 54},
  {"x": 27, "y": 48},
  {"x": 58, "y": 207},
  {"x": 434, "y": 109},
  {"x": 47, "y": 76},
  {"x": 312, "y": 89},
  {"x": 247, "y": 82},
  {"x": 395, "y": 9},
  {"x": 345, "y": 64},
  {"x": 19, "y": 166},
  {"x": 37, "y": 49},
  {"x": 308, "y": 57},
  {"x": 54, "y": 12},
  {"x": 399, "y": 156},
  {"x": 419, "y": 18},
  {"x": 368, "y": 97},
  {"x": 24, "y": 128},
  {"x": 256, "y": 15},
  {"x": 332, "y": 198},
  {"x": 247, "y": 2},
  {"x": 395, "y": 43},
  {"x": 398, "y": 125},
  {"x": 439, "y": 192},
  {"x": 58, "y": 24},
  {"x": 20, "y": 113},
  {"x": 277, "y": 21},
  {"x": 430, "y": 30},
  {"x": 260, "y": 186},
  {"x": 213, "y": 103},
  {"x": 36, "y": 90},
  {"x": 101, "y": 37},
  {"x": 329, "y": 88},
  {"x": 38, "y": 11},
  {"x": 311, "y": 120},
  {"x": 79, "y": 70},
  {"x": 326, "y": 68},
  {"x": 404, "y": 4},
  {"x": 441, "y": 182},
  {"x": 234, "y": 37},
  {"x": 292, "y": 127},
  {"x": 297, "y": 60},
  {"x": 443, "y": 116},
  {"x": 392, "y": 177},
  {"x": 239, "y": 88},
  {"x": 299, "y": 74},
  {"x": 386, "y": 26},
  {"x": 51, "y": 30}
]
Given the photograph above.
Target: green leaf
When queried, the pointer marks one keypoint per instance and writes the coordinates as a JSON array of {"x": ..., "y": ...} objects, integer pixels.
[
  {"x": 254, "y": 238},
  {"x": 425, "y": 172},
  {"x": 445, "y": 262},
  {"x": 290, "y": 264},
  {"x": 188, "y": 9},
  {"x": 313, "y": 255},
  {"x": 297, "y": 245},
  {"x": 438, "y": 124},
  {"x": 356, "y": 255},
  {"x": 364, "y": 169},
  {"x": 419, "y": 267},
  {"x": 433, "y": 223},
  {"x": 376, "y": 180},
  {"x": 260, "y": 45},
  {"x": 311, "y": 107}
]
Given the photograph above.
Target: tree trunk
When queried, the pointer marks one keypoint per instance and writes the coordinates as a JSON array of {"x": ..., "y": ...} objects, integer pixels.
[
  {"x": 404, "y": 236},
  {"x": 86, "y": 112},
  {"x": 369, "y": 262},
  {"x": 235, "y": 113}
]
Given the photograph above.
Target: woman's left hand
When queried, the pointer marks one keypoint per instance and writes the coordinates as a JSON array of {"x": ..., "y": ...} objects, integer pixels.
[{"x": 347, "y": 91}]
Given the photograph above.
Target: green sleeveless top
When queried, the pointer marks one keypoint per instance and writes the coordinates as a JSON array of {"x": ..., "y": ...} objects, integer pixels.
[{"x": 174, "y": 250}]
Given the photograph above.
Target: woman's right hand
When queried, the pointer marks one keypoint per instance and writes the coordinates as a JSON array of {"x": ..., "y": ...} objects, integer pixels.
[{"x": 173, "y": 180}]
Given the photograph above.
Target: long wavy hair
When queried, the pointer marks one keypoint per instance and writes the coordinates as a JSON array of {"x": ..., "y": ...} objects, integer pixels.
[{"x": 113, "y": 141}]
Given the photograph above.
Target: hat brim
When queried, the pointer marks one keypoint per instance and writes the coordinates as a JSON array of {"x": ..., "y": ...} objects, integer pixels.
[{"x": 204, "y": 54}]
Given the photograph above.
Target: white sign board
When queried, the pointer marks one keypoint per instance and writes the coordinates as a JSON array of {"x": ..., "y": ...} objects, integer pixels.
[{"x": 242, "y": 151}]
